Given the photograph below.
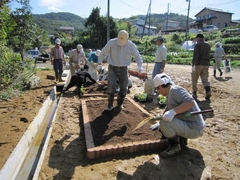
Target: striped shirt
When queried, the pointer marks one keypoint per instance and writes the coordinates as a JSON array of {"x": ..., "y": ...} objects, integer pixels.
[{"x": 57, "y": 53}]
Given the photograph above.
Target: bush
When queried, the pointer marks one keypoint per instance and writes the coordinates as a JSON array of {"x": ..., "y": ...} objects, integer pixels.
[
  {"x": 231, "y": 40},
  {"x": 14, "y": 74}
]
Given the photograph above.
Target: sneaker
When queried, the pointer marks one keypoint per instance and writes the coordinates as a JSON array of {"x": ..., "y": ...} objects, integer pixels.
[
  {"x": 109, "y": 109},
  {"x": 208, "y": 95},
  {"x": 172, "y": 150}
]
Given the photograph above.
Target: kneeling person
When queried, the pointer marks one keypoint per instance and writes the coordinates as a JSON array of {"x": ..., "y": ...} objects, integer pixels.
[
  {"x": 79, "y": 79},
  {"x": 175, "y": 125}
]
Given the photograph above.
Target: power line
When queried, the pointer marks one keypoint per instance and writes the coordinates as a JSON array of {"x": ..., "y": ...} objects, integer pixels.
[{"x": 131, "y": 6}]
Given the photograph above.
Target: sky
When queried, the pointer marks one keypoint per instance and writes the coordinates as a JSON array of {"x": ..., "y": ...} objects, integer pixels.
[{"x": 127, "y": 8}]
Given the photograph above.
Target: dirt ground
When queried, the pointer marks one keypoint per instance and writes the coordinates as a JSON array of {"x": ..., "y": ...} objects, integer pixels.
[{"x": 215, "y": 155}]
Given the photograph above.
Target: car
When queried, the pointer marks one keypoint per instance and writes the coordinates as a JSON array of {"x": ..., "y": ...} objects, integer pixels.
[
  {"x": 194, "y": 31},
  {"x": 210, "y": 28},
  {"x": 38, "y": 56}
]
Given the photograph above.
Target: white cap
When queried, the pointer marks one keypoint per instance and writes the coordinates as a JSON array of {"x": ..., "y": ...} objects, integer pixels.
[
  {"x": 79, "y": 47},
  {"x": 122, "y": 38},
  {"x": 58, "y": 41},
  {"x": 159, "y": 80},
  {"x": 218, "y": 44},
  {"x": 98, "y": 52}
]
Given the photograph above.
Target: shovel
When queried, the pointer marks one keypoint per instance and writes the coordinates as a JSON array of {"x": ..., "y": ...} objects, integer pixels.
[{"x": 188, "y": 114}]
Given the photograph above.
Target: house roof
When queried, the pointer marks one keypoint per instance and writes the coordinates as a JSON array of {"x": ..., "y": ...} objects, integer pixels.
[
  {"x": 213, "y": 9},
  {"x": 66, "y": 28}
]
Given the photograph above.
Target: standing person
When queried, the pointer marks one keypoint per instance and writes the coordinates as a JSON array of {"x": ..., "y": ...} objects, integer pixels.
[
  {"x": 219, "y": 53},
  {"x": 119, "y": 52},
  {"x": 174, "y": 125},
  {"x": 160, "y": 57},
  {"x": 79, "y": 78},
  {"x": 57, "y": 59},
  {"x": 200, "y": 66},
  {"x": 76, "y": 58}
]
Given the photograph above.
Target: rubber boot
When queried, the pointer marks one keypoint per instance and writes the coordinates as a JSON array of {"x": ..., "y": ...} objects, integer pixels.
[
  {"x": 208, "y": 92},
  {"x": 214, "y": 73},
  {"x": 194, "y": 95},
  {"x": 56, "y": 78},
  {"x": 60, "y": 79},
  {"x": 110, "y": 102},
  {"x": 220, "y": 71},
  {"x": 173, "y": 149},
  {"x": 120, "y": 100},
  {"x": 183, "y": 142}
]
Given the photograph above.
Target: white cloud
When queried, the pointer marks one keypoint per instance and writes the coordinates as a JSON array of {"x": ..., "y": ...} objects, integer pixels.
[
  {"x": 54, "y": 9},
  {"x": 51, "y": 3}
]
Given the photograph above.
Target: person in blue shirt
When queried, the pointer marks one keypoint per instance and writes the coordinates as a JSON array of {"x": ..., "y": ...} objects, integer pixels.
[
  {"x": 119, "y": 52},
  {"x": 94, "y": 56}
]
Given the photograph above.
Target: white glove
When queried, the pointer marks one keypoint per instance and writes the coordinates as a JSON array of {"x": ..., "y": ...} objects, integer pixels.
[
  {"x": 155, "y": 126},
  {"x": 99, "y": 67},
  {"x": 73, "y": 65},
  {"x": 169, "y": 115},
  {"x": 193, "y": 68}
]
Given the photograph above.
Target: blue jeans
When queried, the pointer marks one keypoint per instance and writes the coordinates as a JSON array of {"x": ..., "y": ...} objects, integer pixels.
[
  {"x": 157, "y": 69},
  {"x": 58, "y": 67},
  {"x": 120, "y": 74}
]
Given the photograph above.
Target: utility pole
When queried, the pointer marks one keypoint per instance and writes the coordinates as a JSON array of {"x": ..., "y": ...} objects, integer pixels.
[
  {"x": 147, "y": 17},
  {"x": 108, "y": 22},
  {"x": 167, "y": 18},
  {"x": 187, "y": 28}
]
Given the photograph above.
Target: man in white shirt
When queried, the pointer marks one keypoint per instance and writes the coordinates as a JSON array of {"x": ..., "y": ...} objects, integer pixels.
[
  {"x": 119, "y": 52},
  {"x": 160, "y": 57}
]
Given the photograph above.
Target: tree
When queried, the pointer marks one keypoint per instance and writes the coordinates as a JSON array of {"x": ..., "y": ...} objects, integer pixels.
[
  {"x": 24, "y": 29},
  {"x": 97, "y": 28}
]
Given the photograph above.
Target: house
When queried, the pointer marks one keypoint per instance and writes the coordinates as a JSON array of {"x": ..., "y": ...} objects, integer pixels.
[
  {"x": 67, "y": 30},
  {"x": 211, "y": 16},
  {"x": 141, "y": 26},
  {"x": 170, "y": 25}
]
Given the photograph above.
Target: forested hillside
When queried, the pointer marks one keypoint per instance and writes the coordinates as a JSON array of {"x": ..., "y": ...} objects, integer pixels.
[{"x": 51, "y": 22}]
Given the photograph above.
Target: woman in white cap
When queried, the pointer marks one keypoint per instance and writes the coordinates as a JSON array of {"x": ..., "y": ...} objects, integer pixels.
[
  {"x": 76, "y": 58},
  {"x": 119, "y": 52},
  {"x": 219, "y": 54},
  {"x": 175, "y": 125}
]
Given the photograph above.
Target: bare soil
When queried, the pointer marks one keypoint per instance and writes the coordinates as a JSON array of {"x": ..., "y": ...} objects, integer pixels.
[{"x": 215, "y": 155}]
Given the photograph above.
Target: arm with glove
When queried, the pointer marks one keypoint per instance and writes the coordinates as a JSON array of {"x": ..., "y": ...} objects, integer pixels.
[{"x": 168, "y": 115}]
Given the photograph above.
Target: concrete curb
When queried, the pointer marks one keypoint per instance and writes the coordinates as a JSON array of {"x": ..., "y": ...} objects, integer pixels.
[{"x": 16, "y": 159}]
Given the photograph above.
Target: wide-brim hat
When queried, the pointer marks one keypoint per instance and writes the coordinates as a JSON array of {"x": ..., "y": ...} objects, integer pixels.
[
  {"x": 122, "y": 38},
  {"x": 199, "y": 36}
]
